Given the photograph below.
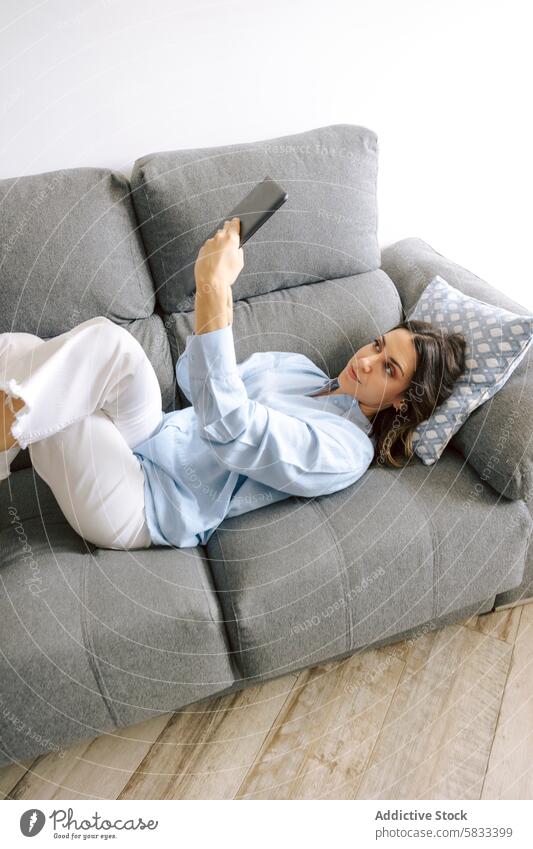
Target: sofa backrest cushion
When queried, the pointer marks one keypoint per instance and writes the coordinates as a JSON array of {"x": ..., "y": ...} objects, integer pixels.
[
  {"x": 70, "y": 250},
  {"x": 327, "y": 228}
]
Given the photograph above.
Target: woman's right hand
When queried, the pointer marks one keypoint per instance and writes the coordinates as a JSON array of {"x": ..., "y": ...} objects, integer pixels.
[{"x": 220, "y": 260}]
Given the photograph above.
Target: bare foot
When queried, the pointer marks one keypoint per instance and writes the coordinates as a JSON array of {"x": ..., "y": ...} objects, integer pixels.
[{"x": 6, "y": 420}]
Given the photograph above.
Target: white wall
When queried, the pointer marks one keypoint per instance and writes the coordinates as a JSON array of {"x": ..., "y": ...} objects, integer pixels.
[{"x": 444, "y": 85}]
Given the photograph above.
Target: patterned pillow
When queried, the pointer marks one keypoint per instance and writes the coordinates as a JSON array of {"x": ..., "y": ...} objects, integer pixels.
[{"x": 496, "y": 342}]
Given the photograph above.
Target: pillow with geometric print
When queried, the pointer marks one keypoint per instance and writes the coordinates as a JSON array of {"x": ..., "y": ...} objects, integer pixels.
[{"x": 496, "y": 342}]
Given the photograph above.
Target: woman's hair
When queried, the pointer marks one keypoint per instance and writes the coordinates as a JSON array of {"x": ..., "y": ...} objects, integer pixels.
[{"x": 440, "y": 361}]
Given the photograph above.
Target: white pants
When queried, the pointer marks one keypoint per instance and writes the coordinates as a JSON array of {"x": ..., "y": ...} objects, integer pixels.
[{"x": 91, "y": 395}]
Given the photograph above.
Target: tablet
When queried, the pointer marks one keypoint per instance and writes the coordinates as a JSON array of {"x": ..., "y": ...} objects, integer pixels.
[{"x": 256, "y": 207}]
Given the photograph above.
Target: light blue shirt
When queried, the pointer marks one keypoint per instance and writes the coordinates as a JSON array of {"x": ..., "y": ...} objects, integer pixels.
[{"x": 254, "y": 435}]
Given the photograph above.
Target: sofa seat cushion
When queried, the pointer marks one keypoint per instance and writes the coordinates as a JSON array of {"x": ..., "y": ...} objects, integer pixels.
[
  {"x": 94, "y": 640},
  {"x": 327, "y": 228},
  {"x": 326, "y": 321},
  {"x": 304, "y": 580}
]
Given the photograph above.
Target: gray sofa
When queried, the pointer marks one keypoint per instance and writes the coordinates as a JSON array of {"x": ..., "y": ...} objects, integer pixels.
[{"x": 93, "y": 640}]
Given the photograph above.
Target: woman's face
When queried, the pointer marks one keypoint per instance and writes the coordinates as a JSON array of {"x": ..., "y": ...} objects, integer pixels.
[{"x": 383, "y": 370}]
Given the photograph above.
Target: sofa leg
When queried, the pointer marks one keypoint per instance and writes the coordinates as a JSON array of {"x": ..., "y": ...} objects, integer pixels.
[{"x": 519, "y": 601}]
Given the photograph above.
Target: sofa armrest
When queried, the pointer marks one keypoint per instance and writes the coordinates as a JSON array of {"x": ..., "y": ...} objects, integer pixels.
[{"x": 496, "y": 439}]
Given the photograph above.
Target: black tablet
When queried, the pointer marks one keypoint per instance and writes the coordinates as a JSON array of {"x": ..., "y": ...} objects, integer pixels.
[{"x": 256, "y": 207}]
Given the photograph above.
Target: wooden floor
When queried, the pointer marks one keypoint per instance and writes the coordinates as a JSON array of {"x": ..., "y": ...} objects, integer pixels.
[{"x": 446, "y": 716}]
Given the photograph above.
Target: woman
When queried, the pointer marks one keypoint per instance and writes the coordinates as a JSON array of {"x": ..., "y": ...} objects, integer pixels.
[{"x": 126, "y": 475}]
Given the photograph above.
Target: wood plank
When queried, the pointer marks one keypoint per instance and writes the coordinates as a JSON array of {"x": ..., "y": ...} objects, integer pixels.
[
  {"x": 436, "y": 740},
  {"x": 510, "y": 769},
  {"x": 96, "y": 769},
  {"x": 415, "y": 650},
  {"x": 502, "y": 625},
  {"x": 326, "y": 730},
  {"x": 205, "y": 751},
  {"x": 11, "y": 774}
]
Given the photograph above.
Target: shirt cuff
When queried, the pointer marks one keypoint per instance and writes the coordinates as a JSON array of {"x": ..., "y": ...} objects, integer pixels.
[{"x": 211, "y": 354}]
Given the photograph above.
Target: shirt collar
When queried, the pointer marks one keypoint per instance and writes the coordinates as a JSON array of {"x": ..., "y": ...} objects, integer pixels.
[
  {"x": 345, "y": 401},
  {"x": 328, "y": 386}
]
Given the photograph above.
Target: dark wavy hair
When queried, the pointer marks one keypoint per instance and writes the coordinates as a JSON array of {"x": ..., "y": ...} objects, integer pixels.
[{"x": 440, "y": 361}]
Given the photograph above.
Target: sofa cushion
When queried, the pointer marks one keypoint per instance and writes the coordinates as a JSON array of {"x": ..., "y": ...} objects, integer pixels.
[
  {"x": 152, "y": 335},
  {"x": 94, "y": 640},
  {"x": 326, "y": 229},
  {"x": 496, "y": 342},
  {"x": 303, "y": 580},
  {"x": 496, "y": 438},
  {"x": 326, "y": 321},
  {"x": 525, "y": 589},
  {"x": 70, "y": 250}
]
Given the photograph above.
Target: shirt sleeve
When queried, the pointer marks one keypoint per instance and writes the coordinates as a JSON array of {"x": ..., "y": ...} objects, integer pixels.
[
  {"x": 282, "y": 451},
  {"x": 257, "y": 360}
]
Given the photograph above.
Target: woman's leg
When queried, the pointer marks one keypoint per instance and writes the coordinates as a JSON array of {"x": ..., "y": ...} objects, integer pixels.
[
  {"x": 97, "y": 481},
  {"x": 97, "y": 367},
  {"x": 20, "y": 343},
  {"x": 6, "y": 420}
]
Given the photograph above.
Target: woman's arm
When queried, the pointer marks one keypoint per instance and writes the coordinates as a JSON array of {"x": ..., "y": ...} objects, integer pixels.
[
  {"x": 278, "y": 450},
  {"x": 218, "y": 265}
]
